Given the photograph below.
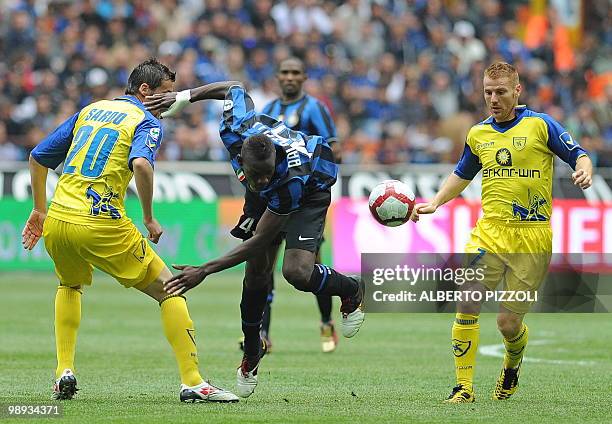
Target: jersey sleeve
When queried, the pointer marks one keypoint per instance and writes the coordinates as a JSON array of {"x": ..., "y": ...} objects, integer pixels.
[
  {"x": 238, "y": 116},
  {"x": 52, "y": 150},
  {"x": 469, "y": 165},
  {"x": 561, "y": 143},
  {"x": 322, "y": 122},
  {"x": 287, "y": 198},
  {"x": 269, "y": 107},
  {"x": 147, "y": 139}
]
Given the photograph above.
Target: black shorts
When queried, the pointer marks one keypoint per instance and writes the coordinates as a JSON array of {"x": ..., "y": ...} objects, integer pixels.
[{"x": 303, "y": 230}]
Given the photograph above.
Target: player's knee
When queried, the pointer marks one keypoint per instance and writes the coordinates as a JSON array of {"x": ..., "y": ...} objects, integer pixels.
[
  {"x": 509, "y": 324},
  {"x": 298, "y": 275}
]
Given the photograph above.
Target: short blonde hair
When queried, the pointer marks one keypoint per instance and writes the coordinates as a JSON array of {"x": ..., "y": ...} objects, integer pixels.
[{"x": 502, "y": 69}]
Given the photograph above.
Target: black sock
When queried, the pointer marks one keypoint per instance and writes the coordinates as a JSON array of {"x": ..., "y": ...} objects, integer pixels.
[
  {"x": 251, "y": 311},
  {"x": 267, "y": 315},
  {"x": 325, "y": 307},
  {"x": 326, "y": 281}
]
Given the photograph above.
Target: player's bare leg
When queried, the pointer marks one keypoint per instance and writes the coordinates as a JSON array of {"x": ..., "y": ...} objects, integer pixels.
[
  {"x": 179, "y": 330},
  {"x": 267, "y": 315},
  {"x": 465, "y": 338},
  {"x": 67, "y": 322},
  {"x": 516, "y": 335},
  {"x": 258, "y": 271},
  {"x": 300, "y": 271}
]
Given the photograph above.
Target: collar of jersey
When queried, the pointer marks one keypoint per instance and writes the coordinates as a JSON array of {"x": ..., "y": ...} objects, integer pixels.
[
  {"x": 519, "y": 115},
  {"x": 132, "y": 99},
  {"x": 295, "y": 101}
]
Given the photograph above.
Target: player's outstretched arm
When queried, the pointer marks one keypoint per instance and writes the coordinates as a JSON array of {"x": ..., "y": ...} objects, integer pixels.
[
  {"x": 172, "y": 103},
  {"x": 268, "y": 228},
  {"x": 583, "y": 176},
  {"x": 452, "y": 187},
  {"x": 143, "y": 174},
  {"x": 32, "y": 232}
]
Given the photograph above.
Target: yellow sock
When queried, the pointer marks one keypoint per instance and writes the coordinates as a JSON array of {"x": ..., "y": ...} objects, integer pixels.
[
  {"x": 465, "y": 335},
  {"x": 67, "y": 321},
  {"x": 179, "y": 331},
  {"x": 515, "y": 348}
]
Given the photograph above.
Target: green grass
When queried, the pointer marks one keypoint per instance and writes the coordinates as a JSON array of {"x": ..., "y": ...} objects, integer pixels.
[{"x": 397, "y": 369}]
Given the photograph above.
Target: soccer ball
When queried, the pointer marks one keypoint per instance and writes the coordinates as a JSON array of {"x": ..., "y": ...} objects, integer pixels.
[{"x": 391, "y": 203}]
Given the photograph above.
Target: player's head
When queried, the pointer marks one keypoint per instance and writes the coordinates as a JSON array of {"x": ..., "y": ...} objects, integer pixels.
[
  {"x": 291, "y": 75},
  {"x": 501, "y": 90},
  {"x": 150, "y": 77},
  {"x": 258, "y": 160}
]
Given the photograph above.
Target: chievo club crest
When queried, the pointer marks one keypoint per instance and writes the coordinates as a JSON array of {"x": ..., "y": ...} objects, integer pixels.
[{"x": 519, "y": 143}]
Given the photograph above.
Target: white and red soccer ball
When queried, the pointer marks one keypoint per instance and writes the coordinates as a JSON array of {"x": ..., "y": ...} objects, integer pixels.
[{"x": 391, "y": 203}]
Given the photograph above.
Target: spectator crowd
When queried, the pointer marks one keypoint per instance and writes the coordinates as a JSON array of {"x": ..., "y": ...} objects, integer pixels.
[{"x": 403, "y": 79}]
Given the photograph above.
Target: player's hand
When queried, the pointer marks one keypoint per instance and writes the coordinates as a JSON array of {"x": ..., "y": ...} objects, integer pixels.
[
  {"x": 32, "y": 232},
  {"x": 155, "y": 230},
  {"x": 422, "y": 208},
  {"x": 186, "y": 280},
  {"x": 170, "y": 104},
  {"x": 582, "y": 178}
]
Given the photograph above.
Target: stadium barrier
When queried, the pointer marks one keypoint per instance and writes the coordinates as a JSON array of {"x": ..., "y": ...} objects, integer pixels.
[{"x": 199, "y": 204}]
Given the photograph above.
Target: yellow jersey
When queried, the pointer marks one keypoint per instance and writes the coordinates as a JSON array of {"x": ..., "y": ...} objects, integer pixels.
[
  {"x": 516, "y": 159},
  {"x": 97, "y": 146}
]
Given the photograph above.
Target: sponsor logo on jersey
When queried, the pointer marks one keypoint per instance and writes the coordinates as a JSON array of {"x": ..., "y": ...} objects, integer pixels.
[
  {"x": 227, "y": 105},
  {"x": 532, "y": 212},
  {"x": 101, "y": 203},
  {"x": 503, "y": 157},
  {"x": 482, "y": 146},
  {"x": 510, "y": 173}
]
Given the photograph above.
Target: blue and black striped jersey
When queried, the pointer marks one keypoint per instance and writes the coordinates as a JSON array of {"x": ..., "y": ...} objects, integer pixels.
[
  {"x": 304, "y": 164},
  {"x": 306, "y": 114}
]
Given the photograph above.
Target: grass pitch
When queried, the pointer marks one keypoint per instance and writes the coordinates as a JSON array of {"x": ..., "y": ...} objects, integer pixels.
[{"x": 397, "y": 369}]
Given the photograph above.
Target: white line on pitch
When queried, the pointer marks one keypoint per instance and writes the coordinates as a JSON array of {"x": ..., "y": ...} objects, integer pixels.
[{"x": 498, "y": 350}]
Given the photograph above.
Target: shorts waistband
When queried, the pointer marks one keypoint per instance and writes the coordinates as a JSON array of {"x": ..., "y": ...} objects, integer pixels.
[{"x": 516, "y": 224}]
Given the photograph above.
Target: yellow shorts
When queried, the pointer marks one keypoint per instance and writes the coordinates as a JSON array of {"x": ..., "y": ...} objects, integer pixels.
[
  {"x": 516, "y": 253},
  {"x": 119, "y": 250}
]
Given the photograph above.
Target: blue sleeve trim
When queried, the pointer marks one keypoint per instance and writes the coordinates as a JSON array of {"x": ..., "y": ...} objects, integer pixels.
[
  {"x": 52, "y": 150},
  {"x": 469, "y": 165},
  {"x": 148, "y": 137},
  {"x": 561, "y": 143}
]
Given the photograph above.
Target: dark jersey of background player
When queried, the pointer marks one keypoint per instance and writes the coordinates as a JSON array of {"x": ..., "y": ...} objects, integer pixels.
[
  {"x": 302, "y": 112},
  {"x": 298, "y": 110}
]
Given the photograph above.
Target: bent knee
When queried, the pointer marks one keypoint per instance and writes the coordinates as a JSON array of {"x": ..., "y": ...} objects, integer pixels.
[{"x": 298, "y": 276}]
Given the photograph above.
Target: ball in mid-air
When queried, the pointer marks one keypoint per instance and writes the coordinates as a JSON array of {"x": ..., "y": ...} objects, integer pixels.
[{"x": 391, "y": 203}]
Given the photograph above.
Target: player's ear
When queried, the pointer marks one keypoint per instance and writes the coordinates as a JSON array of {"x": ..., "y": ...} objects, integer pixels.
[{"x": 145, "y": 90}]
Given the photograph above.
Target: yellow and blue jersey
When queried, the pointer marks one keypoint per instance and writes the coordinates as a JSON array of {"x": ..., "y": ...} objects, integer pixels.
[
  {"x": 307, "y": 115},
  {"x": 97, "y": 146},
  {"x": 516, "y": 159},
  {"x": 304, "y": 163}
]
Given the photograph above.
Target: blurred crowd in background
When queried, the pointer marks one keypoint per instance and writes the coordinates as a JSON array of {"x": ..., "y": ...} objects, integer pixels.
[{"x": 402, "y": 79}]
